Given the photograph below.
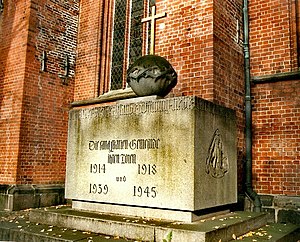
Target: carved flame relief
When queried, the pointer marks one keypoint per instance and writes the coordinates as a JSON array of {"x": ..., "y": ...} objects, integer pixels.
[{"x": 216, "y": 162}]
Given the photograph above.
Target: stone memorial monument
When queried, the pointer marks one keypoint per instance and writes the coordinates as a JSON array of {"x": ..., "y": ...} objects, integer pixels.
[
  {"x": 165, "y": 158},
  {"x": 152, "y": 157}
]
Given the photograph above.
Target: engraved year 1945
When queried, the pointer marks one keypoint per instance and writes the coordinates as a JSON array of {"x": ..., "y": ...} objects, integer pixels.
[{"x": 139, "y": 191}]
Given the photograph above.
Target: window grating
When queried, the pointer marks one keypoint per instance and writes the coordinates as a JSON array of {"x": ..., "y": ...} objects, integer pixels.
[
  {"x": 118, "y": 45},
  {"x": 135, "y": 40},
  {"x": 136, "y": 30}
]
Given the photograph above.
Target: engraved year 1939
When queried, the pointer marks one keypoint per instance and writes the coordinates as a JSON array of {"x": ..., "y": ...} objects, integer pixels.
[{"x": 98, "y": 189}]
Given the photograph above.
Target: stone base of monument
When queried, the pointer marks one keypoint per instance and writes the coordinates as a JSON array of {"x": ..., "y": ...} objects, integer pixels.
[
  {"x": 225, "y": 227},
  {"x": 148, "y": 157},
  {"x": 172, "y": 215},
  {"x": 65, "y": 224}
]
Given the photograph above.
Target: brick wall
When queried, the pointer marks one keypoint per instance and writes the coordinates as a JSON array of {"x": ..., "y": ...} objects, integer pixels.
[
  {"x": 89, "y": 33},
  {"x": 271, "y": 36},
  {"x": 13, "y": 37},
  {"x": 34, "y": 134},
  {"x": 276, "y": 110},
  {"x": 185, "y": 39},
  {"x": 276, "y": 125}
]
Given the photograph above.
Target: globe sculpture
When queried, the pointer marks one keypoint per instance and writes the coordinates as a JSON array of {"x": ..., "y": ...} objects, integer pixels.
[{"x": 151, "y": 75}]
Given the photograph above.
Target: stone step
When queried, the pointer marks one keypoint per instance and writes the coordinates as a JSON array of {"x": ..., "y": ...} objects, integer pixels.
[
  {"x": 216, "y": 228},
  {"x": 274, "y": 232},
  {"x": 25, "y": 231}
]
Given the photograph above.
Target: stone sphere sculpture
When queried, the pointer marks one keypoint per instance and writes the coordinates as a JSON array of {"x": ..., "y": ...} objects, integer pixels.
[{"x": 151, "y": 75}]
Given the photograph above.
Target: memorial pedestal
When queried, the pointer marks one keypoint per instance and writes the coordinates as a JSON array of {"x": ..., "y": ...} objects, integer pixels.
[{"x": 165, "y": 159}]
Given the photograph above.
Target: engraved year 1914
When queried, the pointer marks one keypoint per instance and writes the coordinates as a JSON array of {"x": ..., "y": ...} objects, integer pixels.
[{"x": 97, "y": 168}]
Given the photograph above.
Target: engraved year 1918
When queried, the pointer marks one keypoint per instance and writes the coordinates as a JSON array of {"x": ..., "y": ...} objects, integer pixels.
[{"x": 147, "y": 169}]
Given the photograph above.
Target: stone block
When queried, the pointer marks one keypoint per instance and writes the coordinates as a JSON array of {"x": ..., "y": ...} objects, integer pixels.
[
  {"x": 288, "y": 216},
  {"x": 166, "y": 155},
  {"x": 18, "y": 197}
]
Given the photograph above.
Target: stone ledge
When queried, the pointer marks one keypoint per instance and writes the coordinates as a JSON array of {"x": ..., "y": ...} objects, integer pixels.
[
  {"x": 287, "y": 202},
  {"x": 107, "y": 97},
  {"x": 286, "y": 209},
  {"x": 286, "y": 76},
  {"x": 18, "y": 197}
]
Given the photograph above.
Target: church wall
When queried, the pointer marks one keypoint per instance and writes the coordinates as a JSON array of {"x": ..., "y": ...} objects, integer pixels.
[
  {"x": 275, "y": 95},
  {"x": 46, "y": 94},
  {"x": 34, "y": 103},
  {"x": 88, "y": 49},
  {"x": 276, "y": 124},
  {"x": 185, "y": 39},
  {"x": 13, "y": 38},
  {"x": 272, "y": 36}
]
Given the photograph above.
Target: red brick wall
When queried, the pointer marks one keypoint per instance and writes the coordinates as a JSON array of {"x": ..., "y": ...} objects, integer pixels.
[
  {"x": 40, "y": 135},
  {"x": 180, "y": 41},
  {"x": 87, "y": 72},
  {"x": 276, "y": 126},
  {"x": 186, "y": 40},
  {"x": 228, "y": 66},
  {"x": 13, "y": 38},
  {"x": 276, "y": 110},
  {"x": 271, "y": 38}
]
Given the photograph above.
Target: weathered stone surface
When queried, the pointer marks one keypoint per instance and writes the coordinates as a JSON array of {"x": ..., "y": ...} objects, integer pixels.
[
  {"x": 17, "y": 197},
  {"x": 171, "y": 154},
  {"x": 213, "y": 228},
  {"x": 289, "y": 216}
]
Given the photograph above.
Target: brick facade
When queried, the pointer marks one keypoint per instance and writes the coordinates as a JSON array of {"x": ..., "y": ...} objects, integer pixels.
[
  {"x": 14, "y": 24},
  {"x": 203, "y": 42},
  {"x": 276, "y": 125},
  {"x": 276, "y": 110},
  {"x": 35, "y": 103}
]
